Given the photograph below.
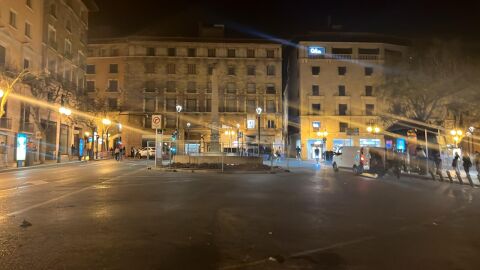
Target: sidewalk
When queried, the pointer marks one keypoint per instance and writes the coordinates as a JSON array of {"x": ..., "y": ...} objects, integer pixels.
[{"x": 47, "y": 164}]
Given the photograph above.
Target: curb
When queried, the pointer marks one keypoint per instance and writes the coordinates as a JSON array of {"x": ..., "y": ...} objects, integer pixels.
[
  {"x": 41, "y": 166},
  {"x": 213, "y": 171}
]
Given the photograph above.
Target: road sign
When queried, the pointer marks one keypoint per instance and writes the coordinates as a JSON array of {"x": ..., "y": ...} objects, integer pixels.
[{"x": 156, "y": 121}]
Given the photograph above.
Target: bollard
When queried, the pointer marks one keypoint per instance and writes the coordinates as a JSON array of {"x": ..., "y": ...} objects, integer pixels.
[
  {"x": 449, "y": 176},
  {"x": 470, "y": 180},
  {"x": 459, "y": 177}
]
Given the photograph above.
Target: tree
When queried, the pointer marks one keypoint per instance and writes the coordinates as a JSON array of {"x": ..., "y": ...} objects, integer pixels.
[{"x": 432, "y": 80}]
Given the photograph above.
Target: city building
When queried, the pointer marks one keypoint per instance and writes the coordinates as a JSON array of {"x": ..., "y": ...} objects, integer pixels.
[
  {"x": 137, "y": 77},
  {"x": 331, "y": 88},
  {"x": 42, "y": 39}
]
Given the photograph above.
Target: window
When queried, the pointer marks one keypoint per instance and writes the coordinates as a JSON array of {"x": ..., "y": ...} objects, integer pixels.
[
  {"x": 270, "y": 123},
  {"x": 212, "y": 52},
  {"x": 28, "y": 30},
  {"x": 315, "y": 70},
  {"x": 114, "y": 52},
  {"x": 343, "y": 127},
  {"x": 26, "y": 64},
  {"x": 170, "y": 68},
  {"x": 90, "y": 69},
  {"x": 342, "y": 71},
  {"x": 271, "y": 108},
  {"x": 68, "y": 48},
  {"x": 270, "y": 88},
  {"x": 150, "y": 51},
  {"x": 342, "y": 109},
  {"x": 191, "y": 52},
  {"x": 369, "y": 109},
  {"x": 341, "y": 90},
  {"x": 112, "y": 103},
  {"x": 170, "y": 122},
  {"x": 251, "y": 88},
  {"x": 112, "y": 85},
  {"x": 231, "y": 70},
  {"x": 53, "y": 10},
  {"x": 368, "y": 90},
  {"x": 315, "y": 90},
  {"x": 149, "y": 104},
  {"x": 270, "y": 70},
  {"x": 251, "y": 123},
  {"x": 149, "y": 67},
  {"x": 170, "y": 104},
  {"x": 191, "y": 69},
  {"x": 150, "y": 86},
  {"x": 231, "y": 88},
  {"x": 210, "y": 69},
  {"x": 113, "y": 68},
  {"x": 13, "y": 19},
  {"x": 28, "y": 3},
  {"x": 208, "y": 105},
  {"x": 171, "y": 86},
  {"x": 172, "y": 52},
  {"x": 209, "y": 87},
  {"x": 52, "y": 36},
  {"x": 251, "y": 70},
  {"x": 251, "y": 105},
  {"x": 191, "y": 105},
  {"x": 368, "y": 71},
  {"x": 316, "y": 125},
  {"x": 191, "y": 87},
  {"x": 250, "y": 53},
  {"x": 270, "y": 53},
  {"x": 231, "y": 105},
  {"x": 230, "y": 52},
  {"x": 90, "y": 86},
  {"x": 316, "y": 107}
]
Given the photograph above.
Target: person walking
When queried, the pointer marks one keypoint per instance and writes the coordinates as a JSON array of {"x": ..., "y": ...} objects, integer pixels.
[
  {"x": 455, "y": 163},
  {"x": 317, "y": 154},
  {"x": 438, "y": 163},
  {"x": 117, "y": 153},
  {"x": 132, "y": 152},
  {"x": 298, "y": 152},
  {"x": 3, "y": 154},
  {"x": 467, "y": 163}
]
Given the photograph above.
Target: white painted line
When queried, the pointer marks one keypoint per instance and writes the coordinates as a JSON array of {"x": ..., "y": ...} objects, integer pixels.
[{"x": 64, "y": 196}]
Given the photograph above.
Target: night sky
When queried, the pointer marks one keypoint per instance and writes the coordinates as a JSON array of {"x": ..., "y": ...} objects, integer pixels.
[{"x": 453, "y": 19}]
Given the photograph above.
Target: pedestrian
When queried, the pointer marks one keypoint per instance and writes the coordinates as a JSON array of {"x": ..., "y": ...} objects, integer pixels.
[
  {"x": 3, "y": 153},
  {"x": 455, "y": 163},
  {"x": 298, "y": 151},
  {"x": 132, "y": 152},
  {"x": 467, "y": 163},
  {"x": 278, "y": 154},
  {"x": 477, "y": 162},
  {"x": 317, "y": 154},
  {"x": 72, "y": 150},
  {"x": 438, "y": 162},
  {"x": 117, "y": 153},
  {"x": 124, "y": 152}
]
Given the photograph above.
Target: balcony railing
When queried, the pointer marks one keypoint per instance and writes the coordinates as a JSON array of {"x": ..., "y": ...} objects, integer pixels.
[
  {"x": 342, "y": 56},
  {"x": 368, "y": 57},
  {"x": 5, "y": 123},
  {"x": 27, "y": 127}
]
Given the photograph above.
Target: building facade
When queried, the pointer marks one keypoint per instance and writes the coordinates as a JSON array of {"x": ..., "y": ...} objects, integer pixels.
[
  {"x": 46, "y": 38},
  {"x": 332, "y": 94},
  {"x": 138, "y": 77}
]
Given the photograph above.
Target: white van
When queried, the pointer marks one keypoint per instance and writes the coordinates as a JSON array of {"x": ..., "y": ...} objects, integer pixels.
[{"x": 360, "y": 159}]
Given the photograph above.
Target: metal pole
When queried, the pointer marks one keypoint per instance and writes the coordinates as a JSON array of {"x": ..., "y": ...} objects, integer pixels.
[
  {"x": 426, "y": 147},
  {"x": 156, "y": 147},
  {"x": 59, "y": 132},
  {"x": 259, "y": 134}
]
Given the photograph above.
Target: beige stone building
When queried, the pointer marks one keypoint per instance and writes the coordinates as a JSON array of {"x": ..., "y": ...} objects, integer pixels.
[
  {"x": 137, "y": 77},
  {"x": 44, "y": 37},
  {"x": 332, "y": 80}
]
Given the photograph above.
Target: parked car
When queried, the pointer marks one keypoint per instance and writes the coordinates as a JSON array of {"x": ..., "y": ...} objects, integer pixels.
[
  {"x": 146, "y": 152},
  {"x": 360, "y": 159}
]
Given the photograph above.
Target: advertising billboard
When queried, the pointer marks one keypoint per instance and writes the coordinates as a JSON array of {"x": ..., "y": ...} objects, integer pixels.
[{"x": 21, "y": 152}]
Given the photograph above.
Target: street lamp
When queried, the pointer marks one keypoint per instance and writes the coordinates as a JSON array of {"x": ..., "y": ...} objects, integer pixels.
[
  {"x": 1, "y": 93},
  {"x": 62, "y": 111},
  {"x": 259, "y": 112},
  {"x": 456, "y": 134},
  {"x": 238, "y": 139}
]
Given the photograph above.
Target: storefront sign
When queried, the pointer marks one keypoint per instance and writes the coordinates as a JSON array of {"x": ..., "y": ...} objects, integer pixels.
[
  {"x": 81, "y": 145},
  {"x": 21, "y": 146},
  {"x": 316, "y": 50}
]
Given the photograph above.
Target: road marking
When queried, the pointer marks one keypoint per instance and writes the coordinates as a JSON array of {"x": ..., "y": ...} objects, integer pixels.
[{"x": 65, "y": 195}]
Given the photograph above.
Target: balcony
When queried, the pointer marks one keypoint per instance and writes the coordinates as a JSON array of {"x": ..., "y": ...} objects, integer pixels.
[
  {"x": 368, "y": 57},
  {"x": 5, "y": 123},
  {"x": 27, "y": 127},
  {"x": 53, "y": 44},
  {"x": 342, "y": 56}
]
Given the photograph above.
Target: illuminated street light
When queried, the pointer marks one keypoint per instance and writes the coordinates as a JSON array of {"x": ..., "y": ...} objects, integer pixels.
[
  {"x": 369, "y": 129},
  {"x": 376, "y": 129},
  {"x": 106, "y": 121},
  {"x": 1, "y": 93},
  {"x": 63, "y": 111},
  {"x": 259, "y": 112},
  {"x": 87, "y": 134},
  {"x": 188, "y": 125},
  {"x": 179, "y": 108}
]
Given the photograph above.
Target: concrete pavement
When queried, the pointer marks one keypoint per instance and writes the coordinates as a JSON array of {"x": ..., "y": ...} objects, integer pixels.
[{"x": 118, "y": 215}]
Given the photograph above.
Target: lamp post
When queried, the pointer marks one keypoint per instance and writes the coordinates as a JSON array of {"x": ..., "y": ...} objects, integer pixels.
[
  {"x": 457, "y": 135},
  {"x": 178, "y": 108},
  {"x": 238, "y": 139},
  {"x": 188, "y": 136},
  {"x": 106, "y": 123},
  {"x": 61, "y": 111},
  {"x": 259, "y": 112}
]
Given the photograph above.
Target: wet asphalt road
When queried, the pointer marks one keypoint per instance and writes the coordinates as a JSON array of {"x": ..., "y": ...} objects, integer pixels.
[{"x": 109, "y": 215}]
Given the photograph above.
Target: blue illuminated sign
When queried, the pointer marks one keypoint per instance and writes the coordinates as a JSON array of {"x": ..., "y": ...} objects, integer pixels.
[
  {"x": 316, "y": 50},
  {"x": 21, "y": 146},
  {"x": 81, "y": 145},
  {"x": 401, "y": 145}
]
